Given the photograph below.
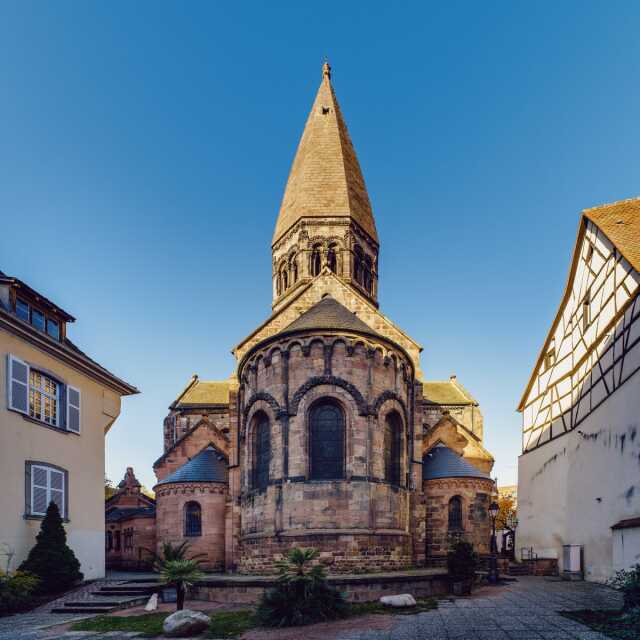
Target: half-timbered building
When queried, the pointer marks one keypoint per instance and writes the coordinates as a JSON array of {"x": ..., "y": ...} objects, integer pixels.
[{"x": 579, "y": 471}]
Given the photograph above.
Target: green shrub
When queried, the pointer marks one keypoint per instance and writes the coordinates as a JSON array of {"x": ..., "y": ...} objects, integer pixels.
[
  {"x": 462, "y": 561},
  {"x": 629, "y": 583},
  {"x": 302, "y": 594},
  {"x": 16, "y": 591},
  {"x": 51, "y": 559}
]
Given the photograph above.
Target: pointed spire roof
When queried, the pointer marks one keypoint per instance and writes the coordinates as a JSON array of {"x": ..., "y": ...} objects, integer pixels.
[{"x": 325, "y": 178}]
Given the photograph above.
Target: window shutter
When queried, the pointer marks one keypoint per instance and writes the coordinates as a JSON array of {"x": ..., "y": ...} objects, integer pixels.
[
  {"x": 56, "y": 485},
  {"x": 17, "y": 384},
  {"x": 73, "y": 409},
  {"x": 39, "y": 490}
]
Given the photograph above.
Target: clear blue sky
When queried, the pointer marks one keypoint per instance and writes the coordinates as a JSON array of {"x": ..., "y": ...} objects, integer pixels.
[{"x": 144, "y": 149}]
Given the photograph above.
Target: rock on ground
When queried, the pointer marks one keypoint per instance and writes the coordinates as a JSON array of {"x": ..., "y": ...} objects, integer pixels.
[
  {"x": 185, "y": 623},
  {"x": 402, "y": 600}
]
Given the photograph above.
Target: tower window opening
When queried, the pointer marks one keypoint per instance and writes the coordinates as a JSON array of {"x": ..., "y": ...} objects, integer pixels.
[
  {"x": 332, "y": 258},
  {"x": 455, "y": 514},
  {"x": 358, "y": 265},
  {"x": 367, "y": 278},
  {"x": 294, "y": 270},
  {"x": 316, "y": 261}
]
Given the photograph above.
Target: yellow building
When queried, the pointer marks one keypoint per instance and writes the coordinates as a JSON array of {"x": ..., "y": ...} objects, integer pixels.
[{"x": 56, "y": 407}]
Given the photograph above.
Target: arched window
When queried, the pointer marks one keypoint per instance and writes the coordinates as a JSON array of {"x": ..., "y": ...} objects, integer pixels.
[
  {"x": 358, "y": 264},
  {"x": 285, "y": 279},
  {"x": 316, "y": 260},
  {"x": 192, "y": 520},
  {"x": 261, "y": 451},
  {"x": 392, "y": 447},
  {"x": 332, "y": 258},
  {"x": 294, "y": 270},
  {"x": 367, "y": 278},
  {"x": 326, "y": 441},
  {"x": 455, "y": 514},
  {"x": 109, "y": 540}
]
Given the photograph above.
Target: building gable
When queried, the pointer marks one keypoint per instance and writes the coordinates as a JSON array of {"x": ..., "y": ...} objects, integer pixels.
[{"x": 576, "y": 362}]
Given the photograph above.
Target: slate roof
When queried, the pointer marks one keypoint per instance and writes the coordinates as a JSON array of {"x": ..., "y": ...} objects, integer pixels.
[
  {"x": 208, "y": 466},
  {"x": 117, "y": 514},
  {"x": 442, "y": 462},
  {"x": 446, "y": 392},
  {"x": 329, "y": 314},
  {"x": 325, "y": 178}
]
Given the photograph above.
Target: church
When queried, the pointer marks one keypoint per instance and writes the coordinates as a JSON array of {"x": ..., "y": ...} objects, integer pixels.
[{"x": 327, "y": 435}]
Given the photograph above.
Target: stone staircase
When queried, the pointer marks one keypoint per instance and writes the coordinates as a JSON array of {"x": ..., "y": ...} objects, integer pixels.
[{"x": 109, "y": 597}]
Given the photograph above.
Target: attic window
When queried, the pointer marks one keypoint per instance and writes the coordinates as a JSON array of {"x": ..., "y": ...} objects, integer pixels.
[
  {"x": 325, "y": 110},
  {"x": 550, "y": 358},
  {"x": 589, "y": 252}
]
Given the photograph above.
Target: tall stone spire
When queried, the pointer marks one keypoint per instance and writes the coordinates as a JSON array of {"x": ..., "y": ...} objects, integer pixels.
[{"x": 325, "y": 178}]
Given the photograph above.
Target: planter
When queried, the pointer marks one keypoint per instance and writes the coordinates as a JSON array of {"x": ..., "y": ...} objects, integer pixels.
[{"x": 461, "y": 586}]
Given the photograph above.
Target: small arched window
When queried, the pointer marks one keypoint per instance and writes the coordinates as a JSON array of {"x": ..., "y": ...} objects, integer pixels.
[
  {"x": 455, "y": 514},
  {"x": 285, "y": 279},
  {"x": 261, "y": 451},
  {"x": 392, "y": 447},
  {"x": 332, "y": 258},
  {"x": 316, "y": 260},
  {"x": 192, "y": 520},
  {"x": 326, "y": 441},
  {"x": 367, "y": 277},
  {"x": 294, "y": 270},
  {"x": 358, "y": 264}
]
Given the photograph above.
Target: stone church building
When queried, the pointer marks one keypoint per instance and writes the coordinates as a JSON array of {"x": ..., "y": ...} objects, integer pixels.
[{"x": 327, "y": 434}]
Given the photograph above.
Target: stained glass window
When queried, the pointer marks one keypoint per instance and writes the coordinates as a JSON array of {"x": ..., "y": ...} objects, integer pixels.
[
  {"x": 192, "y": 520},
  {"x": 327, "y": 441},
  {"x": 392, "y": 440},
  {"x": 261, "y": 452},
  {"x": 455, "y": 513}
]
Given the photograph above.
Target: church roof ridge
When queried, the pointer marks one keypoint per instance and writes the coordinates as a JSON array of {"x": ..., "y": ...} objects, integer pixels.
[{"x": 325, "y": 178}]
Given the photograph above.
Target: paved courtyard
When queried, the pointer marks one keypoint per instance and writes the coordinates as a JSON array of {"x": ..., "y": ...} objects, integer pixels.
[{"x": 521, "y": 610}]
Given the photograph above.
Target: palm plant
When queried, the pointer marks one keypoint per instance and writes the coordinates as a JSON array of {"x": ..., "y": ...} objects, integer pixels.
[
  {"x": 170, "y": 552},
  {"x": 181, "y": 574},
  {"x": 302, "y": 594}
]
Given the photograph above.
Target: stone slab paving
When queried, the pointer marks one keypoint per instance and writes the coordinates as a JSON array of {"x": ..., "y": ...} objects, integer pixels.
[{"x": 522, "y": 610}]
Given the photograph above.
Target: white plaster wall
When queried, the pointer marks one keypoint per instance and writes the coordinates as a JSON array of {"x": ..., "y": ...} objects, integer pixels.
[
  {"x": 574, "y": 488},
  {"x": 626, "y": 548}
]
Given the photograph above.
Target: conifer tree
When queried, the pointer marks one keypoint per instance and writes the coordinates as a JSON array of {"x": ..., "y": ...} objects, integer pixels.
[{"x": 51, "y": 559}]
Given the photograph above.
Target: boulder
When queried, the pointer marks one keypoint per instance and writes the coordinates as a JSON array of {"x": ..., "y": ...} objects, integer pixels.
[
  {"x": 402, "y": 600},
  {"x": 152, "y": 604},
  {"x": 185, "y": 624}
]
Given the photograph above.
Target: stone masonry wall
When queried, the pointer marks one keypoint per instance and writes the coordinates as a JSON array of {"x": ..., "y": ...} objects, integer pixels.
[
  {"x": 476, "y": 497},
  {"x": 170, "y": 502}
]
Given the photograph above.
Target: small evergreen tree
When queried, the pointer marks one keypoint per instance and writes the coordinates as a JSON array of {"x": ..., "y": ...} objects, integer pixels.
[{"x": 51, "y": 559}]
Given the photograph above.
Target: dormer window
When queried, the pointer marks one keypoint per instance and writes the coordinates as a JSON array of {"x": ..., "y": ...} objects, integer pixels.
[
  {"x": 53, "y": 328},
  {"x": 38, "y": 319},
  {"x": 22, "y": 310}
]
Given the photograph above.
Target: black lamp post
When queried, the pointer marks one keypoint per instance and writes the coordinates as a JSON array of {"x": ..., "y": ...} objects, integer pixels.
[{"x": 493, "y": 560}]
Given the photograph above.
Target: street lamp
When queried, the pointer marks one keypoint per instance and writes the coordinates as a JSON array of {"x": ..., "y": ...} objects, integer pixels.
[{"x": 493, "y": 560}]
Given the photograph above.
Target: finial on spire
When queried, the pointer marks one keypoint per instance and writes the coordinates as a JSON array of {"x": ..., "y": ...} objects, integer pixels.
[{"x": 326, "y": 69}]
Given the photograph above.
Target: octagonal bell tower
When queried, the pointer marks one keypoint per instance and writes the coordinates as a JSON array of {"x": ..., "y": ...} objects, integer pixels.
[{"x": 325, "y": 219}]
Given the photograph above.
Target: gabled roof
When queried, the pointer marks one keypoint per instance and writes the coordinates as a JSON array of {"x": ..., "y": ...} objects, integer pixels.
[
  {"x": 202, "y": 393},
  {"x": 446, "y": 392},
  {"x": 325, "y": 178},
  {"x": 118, "y": 514},
  {"x": 442, "y": 462},
  {"x": 329, "y": 314},
  {"x": 620, "y": 223},
  {"x": 208, "y": 466}
]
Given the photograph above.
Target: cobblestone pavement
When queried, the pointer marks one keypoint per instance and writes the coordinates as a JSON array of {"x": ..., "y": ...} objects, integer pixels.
[{"x": 521, "y": 610}]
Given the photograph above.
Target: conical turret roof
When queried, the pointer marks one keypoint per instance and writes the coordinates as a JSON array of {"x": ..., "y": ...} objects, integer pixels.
[{"x": 325, "y": 178}]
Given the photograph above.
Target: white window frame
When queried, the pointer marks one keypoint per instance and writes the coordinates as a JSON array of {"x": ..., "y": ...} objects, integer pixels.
[
  {"x": 49, "y": 470},
  {"x": 45, "y": 394}
]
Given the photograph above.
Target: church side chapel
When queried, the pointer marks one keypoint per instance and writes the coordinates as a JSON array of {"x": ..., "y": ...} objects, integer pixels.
[{"x": 327, "y": 435}]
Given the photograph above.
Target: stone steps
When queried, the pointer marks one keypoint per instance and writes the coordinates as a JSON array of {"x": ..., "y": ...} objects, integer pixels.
[{"x": 109, "y": 598}]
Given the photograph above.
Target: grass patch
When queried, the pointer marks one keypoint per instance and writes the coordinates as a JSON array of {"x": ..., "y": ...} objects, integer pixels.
[
  {"x": 231, "y": 624},
  {"x": 612, "y": 623},
  {"x": 366, "y": 608},
  {"x": 149, "y": 624}
]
